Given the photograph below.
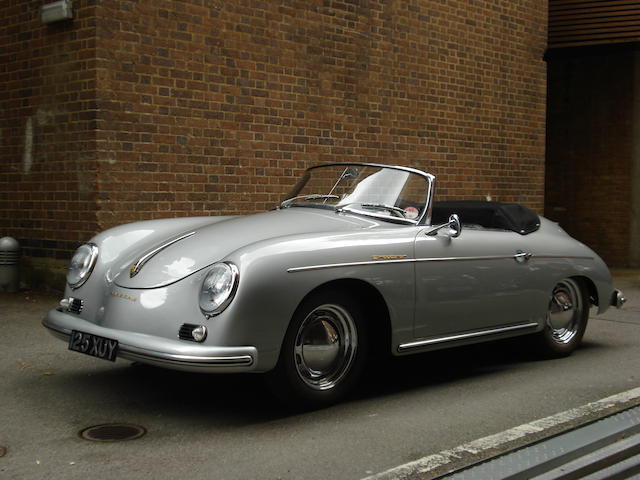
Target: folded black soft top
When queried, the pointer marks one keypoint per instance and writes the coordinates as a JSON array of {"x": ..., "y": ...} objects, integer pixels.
[{"x": 498, "y": 215}]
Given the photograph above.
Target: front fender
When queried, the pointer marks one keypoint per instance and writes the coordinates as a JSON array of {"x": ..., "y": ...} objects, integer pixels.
[{"x": 271, "y": 285}]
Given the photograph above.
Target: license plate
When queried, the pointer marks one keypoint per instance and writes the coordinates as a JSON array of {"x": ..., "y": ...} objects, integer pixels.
[{"x": 93, "y": 345}]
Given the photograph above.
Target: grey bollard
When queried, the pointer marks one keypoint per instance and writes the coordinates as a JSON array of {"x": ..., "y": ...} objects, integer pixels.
[{"x": 9, "y": 265}]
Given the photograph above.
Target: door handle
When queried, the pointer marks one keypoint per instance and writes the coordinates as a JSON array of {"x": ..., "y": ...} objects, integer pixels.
[{"x": 522, "y": 257}]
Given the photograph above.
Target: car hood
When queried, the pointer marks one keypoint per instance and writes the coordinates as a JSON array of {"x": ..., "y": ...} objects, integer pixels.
[{"x": 181, "y": 255}]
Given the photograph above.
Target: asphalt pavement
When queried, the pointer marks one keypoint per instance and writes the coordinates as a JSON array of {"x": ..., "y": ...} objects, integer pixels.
[{"x": 228, "y": 426}]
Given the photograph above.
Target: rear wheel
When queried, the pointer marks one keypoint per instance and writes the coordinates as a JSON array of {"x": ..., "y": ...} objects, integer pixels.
[
  {"x": 566, "y": 320},
  {"x": 323, "y": 352}
]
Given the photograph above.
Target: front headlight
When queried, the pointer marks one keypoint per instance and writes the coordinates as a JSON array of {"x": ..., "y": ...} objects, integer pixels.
[
  {"x": 81, "y": 265},
  {"x": 218, "y": 288}
]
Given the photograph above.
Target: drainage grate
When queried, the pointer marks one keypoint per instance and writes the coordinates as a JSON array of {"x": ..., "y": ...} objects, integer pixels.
[
  {"x": 3, "y": 450},
  {"x": 605, "y": 449},
  {"x": 113, "y": 432}
]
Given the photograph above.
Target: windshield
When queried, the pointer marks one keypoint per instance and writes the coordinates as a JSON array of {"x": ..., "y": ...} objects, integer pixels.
[{"x": 394, "y": 194}]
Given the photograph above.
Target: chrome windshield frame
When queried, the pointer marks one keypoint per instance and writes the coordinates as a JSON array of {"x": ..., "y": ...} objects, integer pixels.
[{"x": 425, "y": 218}]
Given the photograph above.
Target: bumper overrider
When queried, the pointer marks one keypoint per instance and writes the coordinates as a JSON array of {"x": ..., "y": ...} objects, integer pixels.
[
  {"x": 163, "y": 352},
  {"x": 617, "y": 299}
]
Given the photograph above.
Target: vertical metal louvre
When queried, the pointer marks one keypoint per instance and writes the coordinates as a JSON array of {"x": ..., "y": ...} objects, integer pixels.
[{"x": 579, "y": 22}]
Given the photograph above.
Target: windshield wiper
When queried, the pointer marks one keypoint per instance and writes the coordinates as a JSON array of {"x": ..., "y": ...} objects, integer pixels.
[
  {"x": 373, "y": 206},
  {"x": 358, "y": 207},
  {"x": 383, "y": 206},
  {"x": 313, "y": 196}
]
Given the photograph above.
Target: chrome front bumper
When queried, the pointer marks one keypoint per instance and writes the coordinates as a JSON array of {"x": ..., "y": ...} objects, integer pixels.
[{"x": 162, "y": 352}]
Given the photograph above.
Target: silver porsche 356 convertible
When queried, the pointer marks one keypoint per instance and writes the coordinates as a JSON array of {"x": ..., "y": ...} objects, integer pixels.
[{"x": 356, "y": 261}]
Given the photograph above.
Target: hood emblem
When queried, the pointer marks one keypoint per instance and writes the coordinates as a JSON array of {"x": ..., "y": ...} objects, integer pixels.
[{"x": 135, "y": 268}]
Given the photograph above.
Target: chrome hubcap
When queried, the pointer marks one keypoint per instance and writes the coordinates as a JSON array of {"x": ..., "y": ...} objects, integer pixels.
[
  {"x": 565, "y": 309},
  {"x": 325, "y": 347}
]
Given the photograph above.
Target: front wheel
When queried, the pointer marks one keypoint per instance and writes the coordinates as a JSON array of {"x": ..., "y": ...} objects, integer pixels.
[
  {"x": 323, "y": 352},
  {"x": 566, "y": 320}
]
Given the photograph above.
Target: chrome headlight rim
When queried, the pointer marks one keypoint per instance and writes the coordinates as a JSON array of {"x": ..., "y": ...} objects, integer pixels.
[
  {"x": 88, "y": 264},
  {"x": 230, "y": 290}
]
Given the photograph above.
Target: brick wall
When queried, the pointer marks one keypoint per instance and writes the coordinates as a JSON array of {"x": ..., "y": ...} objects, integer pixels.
[
  {"x": 213, "y": 107},
  {"x": 47, "y": 129}
]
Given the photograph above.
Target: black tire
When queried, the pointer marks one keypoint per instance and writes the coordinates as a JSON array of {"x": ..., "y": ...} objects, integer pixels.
[
  {"x": 323, "y": 352},
  {"x": 566, "y": 320}
]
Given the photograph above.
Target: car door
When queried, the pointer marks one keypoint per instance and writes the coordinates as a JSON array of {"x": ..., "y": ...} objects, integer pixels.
[{"x": 478, "y": 281}]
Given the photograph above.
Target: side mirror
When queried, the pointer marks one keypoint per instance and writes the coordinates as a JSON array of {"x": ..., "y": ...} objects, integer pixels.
[{"x": 454, "y": 226}]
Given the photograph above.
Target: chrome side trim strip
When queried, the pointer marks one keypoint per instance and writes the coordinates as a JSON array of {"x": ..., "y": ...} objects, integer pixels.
[
  {"x": 568, "y": 257},
  {"x": 431, "y": 259},
  {"x": 462, "y": 259},
  {"x": 348, "y": 264},
  {"x": 404, "y": 260},
  {"x": 136, "y": 267},
  {"x": 463, "y": 336}
]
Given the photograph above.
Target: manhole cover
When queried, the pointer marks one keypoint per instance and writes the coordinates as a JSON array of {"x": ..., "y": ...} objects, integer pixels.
[
  {"x": 113, "y": 432},
  {"x": 3, "y": 450}
]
